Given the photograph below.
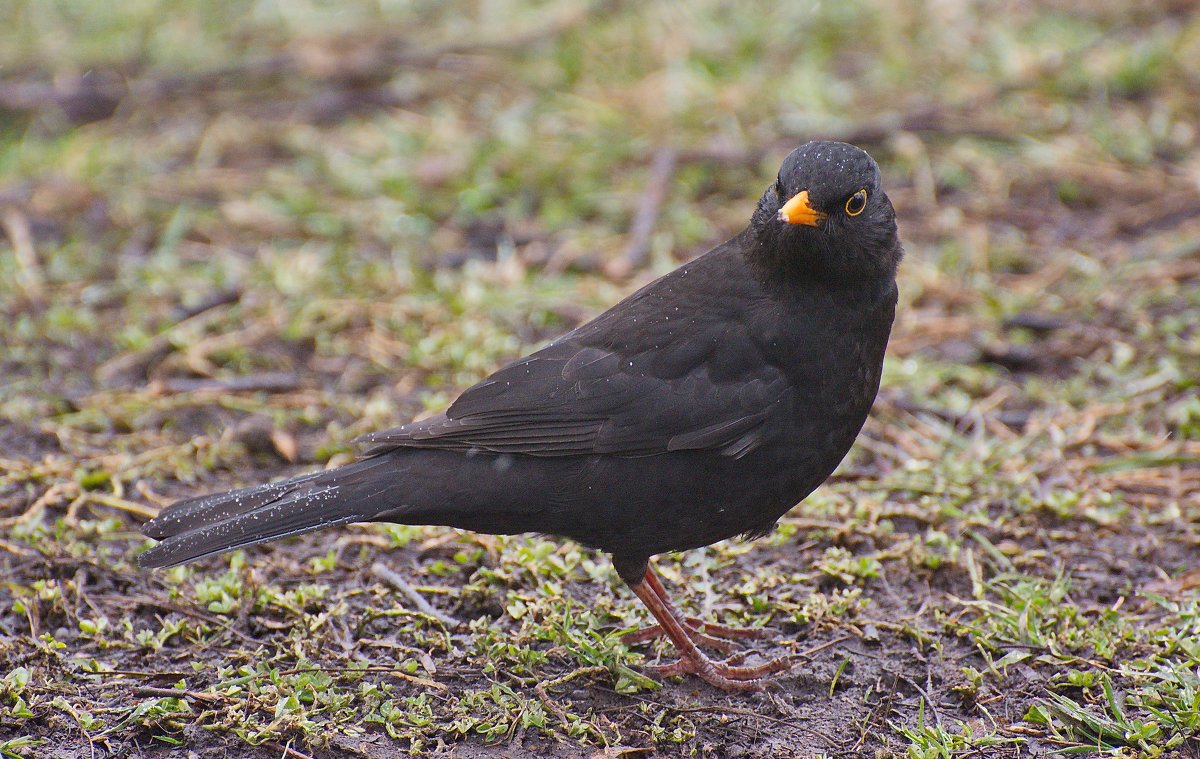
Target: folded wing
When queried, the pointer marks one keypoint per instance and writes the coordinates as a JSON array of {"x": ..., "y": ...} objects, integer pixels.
[{"x": 688, "y": 385}]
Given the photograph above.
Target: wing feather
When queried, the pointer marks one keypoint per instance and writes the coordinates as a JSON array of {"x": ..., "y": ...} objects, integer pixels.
[{"x": 672, "y": 368}]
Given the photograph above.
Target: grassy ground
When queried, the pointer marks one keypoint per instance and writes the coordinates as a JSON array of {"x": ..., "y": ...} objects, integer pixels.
[{"x": 238, "y": 234}]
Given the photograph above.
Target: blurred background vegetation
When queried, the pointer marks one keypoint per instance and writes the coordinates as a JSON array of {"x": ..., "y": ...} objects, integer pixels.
[{"x": 236, "y": 234}]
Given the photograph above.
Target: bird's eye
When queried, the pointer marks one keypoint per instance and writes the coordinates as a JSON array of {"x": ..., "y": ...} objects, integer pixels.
[{"x": 856, "y": 203}]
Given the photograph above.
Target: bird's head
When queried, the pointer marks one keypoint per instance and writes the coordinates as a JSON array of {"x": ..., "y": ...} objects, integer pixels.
[{"x": 827, "y": 218}]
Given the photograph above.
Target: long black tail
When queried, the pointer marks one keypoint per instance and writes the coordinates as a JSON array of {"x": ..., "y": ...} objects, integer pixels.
[{"x": 198, "y": 527}]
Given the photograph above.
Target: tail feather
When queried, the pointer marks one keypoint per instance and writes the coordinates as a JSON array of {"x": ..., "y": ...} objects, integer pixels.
[
  {"x": 191, "y": 513},
  {"x": 199, "y": 527}
]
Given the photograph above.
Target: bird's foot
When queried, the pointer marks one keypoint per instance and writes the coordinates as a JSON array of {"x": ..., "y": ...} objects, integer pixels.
[
  {"x": 727, "y": 675},
  {"x": 731, "y": 633},
  {"x": 687, "y": 633},
  {"x": 702, "y": 633}
]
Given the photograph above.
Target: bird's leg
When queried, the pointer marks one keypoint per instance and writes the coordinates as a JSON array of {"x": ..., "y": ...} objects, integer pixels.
[
  {"x": 712, "y": 628},
  {"x": 691, "y": 627},
  {"x": 722, "y": 674},
  {"x": 702, "y": 633}
]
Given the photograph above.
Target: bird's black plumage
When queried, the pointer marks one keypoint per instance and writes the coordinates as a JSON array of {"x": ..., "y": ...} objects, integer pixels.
[{"x": 701, "y": 407}]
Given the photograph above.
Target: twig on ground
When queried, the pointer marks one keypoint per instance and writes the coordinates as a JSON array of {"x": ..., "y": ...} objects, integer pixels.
[
  {"x": 399, "y": 583},
  {"x": 150, "y": 690},
  {"x": 135, "y": 364},
  {"x": 30, "y": 276},
  {"x": 662, "y": 169},
  {"x": 121, "y": 504},
  {"x": 15, "y": 549},
  {"x": 937, "y": 716},
  {"x": 266, "y": 382},
  {"x": 394, "y": 671},
  {"x": 287, "y": 750},
  {"x": 146, "y": 600},
  {"x": 543, "y": 688},
  {"x": 808, "y": 653},
  {"x": 54, "y": 494}
]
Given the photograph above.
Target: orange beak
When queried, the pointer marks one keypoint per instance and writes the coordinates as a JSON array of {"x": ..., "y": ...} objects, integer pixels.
[{"x": 799, "y": 211}]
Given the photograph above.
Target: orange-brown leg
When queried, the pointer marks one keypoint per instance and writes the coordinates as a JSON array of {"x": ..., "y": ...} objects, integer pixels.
[
  {"x": 706, "y": 633},
  {"x": 692, "y": 661}
]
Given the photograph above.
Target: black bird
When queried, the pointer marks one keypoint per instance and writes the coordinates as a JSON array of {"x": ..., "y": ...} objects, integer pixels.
[{"x": 702, "y": 407}]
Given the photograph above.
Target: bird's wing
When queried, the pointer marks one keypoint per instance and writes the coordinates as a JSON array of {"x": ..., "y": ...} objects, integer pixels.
[
  {"x": 634, "y": 382},
  {"x": 572, "y": 400}
]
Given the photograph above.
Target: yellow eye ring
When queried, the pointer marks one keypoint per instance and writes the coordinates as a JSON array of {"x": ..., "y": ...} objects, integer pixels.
[{"x": 857, "y": 203}]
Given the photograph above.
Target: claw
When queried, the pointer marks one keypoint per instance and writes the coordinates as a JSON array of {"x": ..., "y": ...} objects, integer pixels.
[
  {"x": 695, "y": 632},
  {"x": 725, "y": 631},
  {"x": 724, "y": 674},
  {"x": 687, "y": 633}
]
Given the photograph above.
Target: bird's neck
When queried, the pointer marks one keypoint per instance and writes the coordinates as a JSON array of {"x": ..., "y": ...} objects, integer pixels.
[{"x": 780, "y": 264}]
